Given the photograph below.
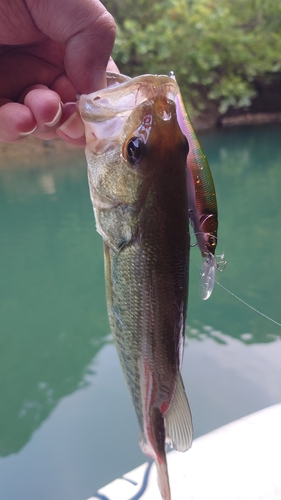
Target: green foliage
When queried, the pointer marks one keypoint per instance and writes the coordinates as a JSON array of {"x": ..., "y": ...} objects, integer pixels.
[{"x": 217, "y": 48}]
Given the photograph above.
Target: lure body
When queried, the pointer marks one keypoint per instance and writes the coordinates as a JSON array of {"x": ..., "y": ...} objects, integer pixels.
[{"x": 202, "y": 203}]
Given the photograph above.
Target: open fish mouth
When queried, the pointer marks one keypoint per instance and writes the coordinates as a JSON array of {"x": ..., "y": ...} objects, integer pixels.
[
  {"x": 124, "y": 97},
  {"x": 107, "y": 110}
]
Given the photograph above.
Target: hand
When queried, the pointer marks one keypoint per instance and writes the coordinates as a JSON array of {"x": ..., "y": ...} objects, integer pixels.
[{"x": 51, "y": 51}]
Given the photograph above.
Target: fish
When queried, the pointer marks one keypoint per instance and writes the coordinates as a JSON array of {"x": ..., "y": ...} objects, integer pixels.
[
  {"x": 136, "y": 156},
  {"x": 203, "y": 210}
]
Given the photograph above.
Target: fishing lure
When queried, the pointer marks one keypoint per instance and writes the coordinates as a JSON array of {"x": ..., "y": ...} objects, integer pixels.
[{"x": 202, "y": 203}]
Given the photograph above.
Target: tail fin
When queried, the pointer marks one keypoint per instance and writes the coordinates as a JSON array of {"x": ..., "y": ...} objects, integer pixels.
[
  {"x": 163, "y": 478},
  {"x": 161, "y": 467}
]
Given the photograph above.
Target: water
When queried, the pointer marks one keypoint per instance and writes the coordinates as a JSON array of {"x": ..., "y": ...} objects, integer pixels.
[{"x": 67, "y": 426}]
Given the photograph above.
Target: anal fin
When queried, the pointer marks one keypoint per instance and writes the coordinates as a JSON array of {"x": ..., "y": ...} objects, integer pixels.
[{"x": 178, "y": 420}]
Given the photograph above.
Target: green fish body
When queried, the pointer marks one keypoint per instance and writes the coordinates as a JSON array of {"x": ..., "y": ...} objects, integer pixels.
[{"x": 136, "y": 156}]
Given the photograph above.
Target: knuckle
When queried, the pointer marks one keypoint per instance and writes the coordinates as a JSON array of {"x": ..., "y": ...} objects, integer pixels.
[{"x": 105, "y": 28}]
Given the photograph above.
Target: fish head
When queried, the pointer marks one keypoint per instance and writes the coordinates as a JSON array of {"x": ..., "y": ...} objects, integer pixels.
[
  {"x": 152, "y": 142},
  {"x": 132, "y": 137}
]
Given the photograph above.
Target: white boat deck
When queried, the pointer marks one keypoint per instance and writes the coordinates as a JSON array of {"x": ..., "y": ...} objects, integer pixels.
[{"x": 239, "y": 461}]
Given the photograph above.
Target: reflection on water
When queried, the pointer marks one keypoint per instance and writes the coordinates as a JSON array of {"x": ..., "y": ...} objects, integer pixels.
[
  {"x": 52, "y": 310},
  {"x": 59, "y": 373}
]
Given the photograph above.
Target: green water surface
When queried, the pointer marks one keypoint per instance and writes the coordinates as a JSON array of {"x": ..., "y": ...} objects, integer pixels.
[{"x": 67, "y": 426}]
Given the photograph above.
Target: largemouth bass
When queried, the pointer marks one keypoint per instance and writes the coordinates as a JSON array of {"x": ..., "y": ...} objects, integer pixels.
[{"x": 136, "y": 155}]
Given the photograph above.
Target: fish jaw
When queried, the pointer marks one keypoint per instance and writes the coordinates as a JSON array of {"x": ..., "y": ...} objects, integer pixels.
[{"x": 112, "y": 106}]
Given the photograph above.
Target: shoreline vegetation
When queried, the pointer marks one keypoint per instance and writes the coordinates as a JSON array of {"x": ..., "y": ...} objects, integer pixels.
[
  {"x": 226, "y": 55},
  {"x": 31, "y": 149}
]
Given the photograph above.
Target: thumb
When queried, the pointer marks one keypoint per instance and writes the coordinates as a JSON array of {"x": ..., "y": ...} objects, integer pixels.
[
  {"x": 87, "y": 53},
  {"x": 88, "y": 32}
]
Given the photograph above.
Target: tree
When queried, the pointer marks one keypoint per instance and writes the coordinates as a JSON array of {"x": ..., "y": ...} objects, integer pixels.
[{"x": 217, "y": 48}]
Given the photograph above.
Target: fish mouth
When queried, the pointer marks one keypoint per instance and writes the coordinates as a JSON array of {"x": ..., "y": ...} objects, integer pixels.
[
  {"x": 106, "y": 111},
  {"x": 122, "y": 98}
]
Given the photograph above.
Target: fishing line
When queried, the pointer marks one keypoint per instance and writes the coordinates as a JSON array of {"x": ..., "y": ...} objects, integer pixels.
[
  {"x": 248, "y": 305},
  {"x": 243, "y": 301}
]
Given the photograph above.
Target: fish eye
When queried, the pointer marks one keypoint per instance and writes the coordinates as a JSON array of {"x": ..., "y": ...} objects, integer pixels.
[
  {"x": 134, "y": 150},
  {"x": 212, "y": 240}
]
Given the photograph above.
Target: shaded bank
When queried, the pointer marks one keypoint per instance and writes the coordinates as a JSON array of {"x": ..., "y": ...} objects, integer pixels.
[
  {"x": 36, "y": 153},
  {"x": 264, "y": 108}
]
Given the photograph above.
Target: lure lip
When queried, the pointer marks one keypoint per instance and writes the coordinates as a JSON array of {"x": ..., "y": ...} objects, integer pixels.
[
  {"x": 207, "y": 276},
  {"x": 210, "y": 264}
]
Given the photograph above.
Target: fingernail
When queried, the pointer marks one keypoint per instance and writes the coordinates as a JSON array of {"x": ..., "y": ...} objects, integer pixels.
[
  {"x": 99, "y": 79},
  {"x": 25, "y": 134},
  {"x": 56, "y": 118},
  {"x": 73, "y": 127}
]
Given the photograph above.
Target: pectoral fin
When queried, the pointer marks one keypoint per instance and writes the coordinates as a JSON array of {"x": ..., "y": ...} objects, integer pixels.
[
  {"x": 115, "y": 226},
  {"x": 178, "y": 420}
]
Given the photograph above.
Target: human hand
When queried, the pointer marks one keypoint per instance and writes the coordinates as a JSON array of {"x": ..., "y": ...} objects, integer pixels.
[{"x": 50, "y": 51}]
